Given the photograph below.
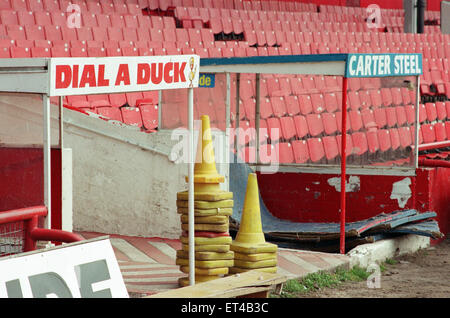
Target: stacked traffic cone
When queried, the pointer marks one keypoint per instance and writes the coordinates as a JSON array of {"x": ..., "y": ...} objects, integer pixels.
[
  {"x": 212, "y": 208},
  {"x": 251, "y": 251}
]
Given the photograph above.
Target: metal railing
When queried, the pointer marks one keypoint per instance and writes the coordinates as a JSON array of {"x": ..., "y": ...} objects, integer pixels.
[{"x": 19, "y": 231}]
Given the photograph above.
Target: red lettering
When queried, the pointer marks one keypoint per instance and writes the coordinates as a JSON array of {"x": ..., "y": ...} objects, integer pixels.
[
  {"x": 179, "y": 72},
  {"x": 123, "y": 75},
  {"x": 168, "y": 77},
  {"x": 143, "y": 73},
  {"x": 101, "y": 76},
  {"x": 88, "y": 76},
  {"x": 156, "y": 78},
  {"x": 63, "y": 76},
  {"x": 75, "y": 76}
]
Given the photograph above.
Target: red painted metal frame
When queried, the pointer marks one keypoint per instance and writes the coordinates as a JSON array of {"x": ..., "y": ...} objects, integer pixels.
[
  {"x": 30, "y": 218},
  {"x": 424, "y": 162},
  {"x": 434, "y": 145},
  {"x": 343, "y": 163}
]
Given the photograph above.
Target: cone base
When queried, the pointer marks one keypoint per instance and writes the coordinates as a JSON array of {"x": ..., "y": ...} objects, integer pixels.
[
  {"x": 205, "y": 264},
  {"x": 184, "y": 281},
  {"x": 257, "y": 264},
  {"x": 206, "y": 212},
  {"x": 255, "y": 257},
  {"x": 203, "y": 256},
  {"x": 237, "y": 270},
  {"x": 253, "y": 248},
  {"x": 206, "y": 271},
  {"x": 208, "y": 248},
  {"x": 205, "y": 196}
]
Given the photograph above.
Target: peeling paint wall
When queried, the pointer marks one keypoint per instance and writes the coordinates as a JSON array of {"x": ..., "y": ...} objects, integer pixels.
[
  {"x": 401, "y": 192},
  {"x": 353, "y": 184}
]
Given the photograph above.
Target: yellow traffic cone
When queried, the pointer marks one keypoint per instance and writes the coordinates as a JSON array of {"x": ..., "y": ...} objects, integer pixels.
[
  {"x": 250, "y": 237},
  {"x": 206, "y": 177}
]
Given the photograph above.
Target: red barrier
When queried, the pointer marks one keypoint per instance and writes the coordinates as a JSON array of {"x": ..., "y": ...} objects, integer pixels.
[
  {"x": 423, "y": 162},
  {"x": 19, "y": 230}
]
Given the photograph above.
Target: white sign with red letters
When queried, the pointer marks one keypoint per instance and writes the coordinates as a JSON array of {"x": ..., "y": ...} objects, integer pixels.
[{"x": 82, "y": 76}]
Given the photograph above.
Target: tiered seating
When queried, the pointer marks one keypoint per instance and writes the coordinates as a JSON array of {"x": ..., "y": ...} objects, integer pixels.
[{"x": 306, "y": 109}]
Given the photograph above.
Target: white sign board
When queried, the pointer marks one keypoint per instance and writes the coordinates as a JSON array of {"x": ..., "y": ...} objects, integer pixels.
[
  {"x": 117, "y": 74},
  {"x": 86, "y": 269}
]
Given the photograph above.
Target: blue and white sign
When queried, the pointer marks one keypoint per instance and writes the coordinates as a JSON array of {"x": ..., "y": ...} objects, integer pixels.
[{"x": 380, "y": 65}]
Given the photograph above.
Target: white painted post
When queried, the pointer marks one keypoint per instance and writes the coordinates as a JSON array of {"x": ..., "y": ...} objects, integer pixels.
[
  {"x": 191, "y": 187},
  {"x": 47, "y": 160}
]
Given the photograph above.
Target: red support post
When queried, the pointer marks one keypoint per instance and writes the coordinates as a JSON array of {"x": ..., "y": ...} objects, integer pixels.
[{"x": 343, "y": 163}]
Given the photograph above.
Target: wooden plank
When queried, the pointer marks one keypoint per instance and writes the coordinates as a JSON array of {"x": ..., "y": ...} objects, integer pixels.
[{"x": 244, "y": 284}]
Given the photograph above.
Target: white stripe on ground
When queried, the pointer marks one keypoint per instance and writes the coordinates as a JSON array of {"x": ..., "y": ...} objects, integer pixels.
[
  {"x": 284, "y": 272},
  {"x": 129, "y": 250},
  {"x": 164, "y": 248},
  {"x": 301, "y": 262},
  {"x": 333, "y": 261}
]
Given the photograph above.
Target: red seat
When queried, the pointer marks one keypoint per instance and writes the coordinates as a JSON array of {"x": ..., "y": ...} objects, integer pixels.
[
  {"x": 4, "y": 52},
  {"x": 131, "y": 116},
  {"x": 386, "y": 96},
  {"x": 349, "y": 145},
  {"x": 400, "y": 112},
  {"x": 405, "y": 136},
  {"x": 396, "y": 94},
  {"x": 285, "y": 152},
  {"x": 292, "y": 105},
  {"x": 20, "y": 52},
  {"x": 422, "y": 113},
  {"x": 114, "y": 33},
  {"x": 274, "y": 129},
  {"x": 329, "y": 123},
  {"x": 391, "y": 116},
  {"x": 26, "y": 18},
  {"x": 316, "y": 149},
  {"x": 265, "y": 108},
  {"x": 315, "y": 124},
  {"x": 288, "y": 129},
  {"x": 58, "y": 18},
  {"x": 52, "y": 33},
  {"x": 278, "y": 106},
  {"x": 300, "y": 151},
  {"x": 15, "y": 32},
  {"x": 104, "y": 20},
  {"x": 353, "y": 100},
  {"x": 40, "y": 52},
  {"x": 368, "y": 118},
  {"x": 355, "y": 120},
  {"x": 431, "y": 111},
  {"x": 68, "y": 34},
  {"x": 301, "y": 126},
  {"x": 331, "y": 102},
  {"x": 51, "y": 5},
  {"x": 359, "y": 142},
  {"x": 428, "y": 133},
  {"x": 376, "y": 99},
  {"x": 130, "y": 34},
  {"x": 384, "y": 139},
  {"x": 440, "y": 131},
  {"x": 117, "y": 100},
  {"x": 441, "y": 111},
  {"x": 305, "y": 104},
  {"x": 112, "y": 113},
  {"x": 395, "y": 138},
  {"x": 149, "y": 114},
  {"x": 331, "y": 147}
]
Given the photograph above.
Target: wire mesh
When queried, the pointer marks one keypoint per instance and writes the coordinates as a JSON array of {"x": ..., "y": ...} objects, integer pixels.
[{"x": 12, "y": 237}]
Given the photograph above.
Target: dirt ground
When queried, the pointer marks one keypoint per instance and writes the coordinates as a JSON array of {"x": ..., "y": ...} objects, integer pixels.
[{"x": 424, "y": 274}]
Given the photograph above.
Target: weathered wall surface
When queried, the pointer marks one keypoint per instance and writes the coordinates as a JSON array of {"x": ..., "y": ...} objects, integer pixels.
[{"x": 124, "y": 180}]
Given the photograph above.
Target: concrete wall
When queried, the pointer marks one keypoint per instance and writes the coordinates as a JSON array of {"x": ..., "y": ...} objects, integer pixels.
[{"x": 124, "y": 181}]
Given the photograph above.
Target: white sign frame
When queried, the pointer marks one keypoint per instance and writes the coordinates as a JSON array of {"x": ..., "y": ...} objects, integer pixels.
[
  {"x": 63, "y": 261},
  {"x": 118, "y": 74}
]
